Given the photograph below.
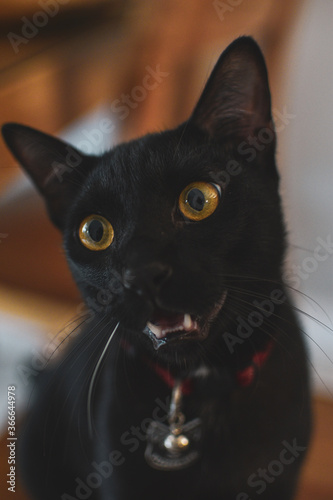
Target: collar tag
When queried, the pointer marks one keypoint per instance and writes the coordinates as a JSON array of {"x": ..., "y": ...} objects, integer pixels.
[{"x": 174, "y": 446}]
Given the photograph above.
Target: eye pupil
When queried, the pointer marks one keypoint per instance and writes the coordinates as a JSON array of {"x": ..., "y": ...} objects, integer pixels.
[
  {"x": 196, "y": 199},
  {"x": 96, "y": 230},
  {"x": 199, "y": 200}
]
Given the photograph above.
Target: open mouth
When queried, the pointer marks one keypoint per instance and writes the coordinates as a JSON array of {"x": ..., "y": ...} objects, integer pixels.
[
  {"x": 163, "y": 323},
  {"x": 165, "y": 326}
]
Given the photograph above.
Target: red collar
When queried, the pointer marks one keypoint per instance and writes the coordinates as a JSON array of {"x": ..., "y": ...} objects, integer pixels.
[
  {"x": 244, "y": 377},
  {"x": 169, "y": 380}
]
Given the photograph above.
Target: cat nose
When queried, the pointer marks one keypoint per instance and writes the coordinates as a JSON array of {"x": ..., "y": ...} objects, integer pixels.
[{"x": 147, "y": 280}]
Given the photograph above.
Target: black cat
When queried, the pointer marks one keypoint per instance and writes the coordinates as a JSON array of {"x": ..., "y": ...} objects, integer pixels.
[{"x": 189, "y": 378}]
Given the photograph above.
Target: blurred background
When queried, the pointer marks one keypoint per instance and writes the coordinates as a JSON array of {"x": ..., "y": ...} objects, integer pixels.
[{"x": 78, "y": 69}]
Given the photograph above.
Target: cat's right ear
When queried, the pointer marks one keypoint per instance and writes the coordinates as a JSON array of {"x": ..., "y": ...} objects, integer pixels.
[{"x": 56, "y": 168}]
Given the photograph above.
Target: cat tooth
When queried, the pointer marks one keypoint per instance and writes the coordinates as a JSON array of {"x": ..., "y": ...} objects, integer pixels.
[
  {"x": 156, "y": 330},
  {"x": 187, "y": 322}
]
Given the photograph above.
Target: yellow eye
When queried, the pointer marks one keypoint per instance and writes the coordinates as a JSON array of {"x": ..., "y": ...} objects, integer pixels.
[
  {"x": 199, "y": 200},
  {"x": 96, "y": 232}
]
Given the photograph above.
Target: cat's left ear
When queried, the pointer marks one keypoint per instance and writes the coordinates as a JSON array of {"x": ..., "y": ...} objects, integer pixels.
[
  {"x": 236, "y": 103},
  {"x": 56, "y": 168}
]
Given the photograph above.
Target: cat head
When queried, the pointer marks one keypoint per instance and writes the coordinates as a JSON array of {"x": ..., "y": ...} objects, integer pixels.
[{"x": 170, "y": 234}]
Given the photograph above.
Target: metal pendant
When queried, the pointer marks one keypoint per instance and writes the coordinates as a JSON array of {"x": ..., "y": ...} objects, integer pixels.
[{"x": 174, "y": 446}]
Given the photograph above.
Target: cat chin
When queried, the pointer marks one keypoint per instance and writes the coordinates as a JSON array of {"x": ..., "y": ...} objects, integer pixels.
[{"x": 167, "y": 327}]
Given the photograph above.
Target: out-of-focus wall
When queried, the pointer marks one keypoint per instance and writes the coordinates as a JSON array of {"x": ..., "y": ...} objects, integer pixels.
[{"x": 306, "y": 162}]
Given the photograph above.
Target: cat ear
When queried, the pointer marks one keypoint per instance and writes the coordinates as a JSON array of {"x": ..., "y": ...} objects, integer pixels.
[
  {"x": 236, "y": 103},
  {"x": 56, "y": 168}
]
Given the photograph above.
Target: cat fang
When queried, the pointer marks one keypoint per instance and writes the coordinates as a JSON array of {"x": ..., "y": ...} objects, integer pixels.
[
  {"x": 186, "y": 325},
  {"x": 167, "y": 327}
]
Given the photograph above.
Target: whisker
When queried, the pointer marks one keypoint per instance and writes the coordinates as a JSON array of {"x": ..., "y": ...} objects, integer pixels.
[
  {"x": 82, "y": 320},
  {"x": 243, "y": 304},
  {"x": 298, "y": 247},
  {"x": 84, "y": 344},
  {"x": 92, "y": 381}
]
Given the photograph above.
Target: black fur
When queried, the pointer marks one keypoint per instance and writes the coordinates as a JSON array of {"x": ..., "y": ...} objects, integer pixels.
[{"x": 159, "y": 260}]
